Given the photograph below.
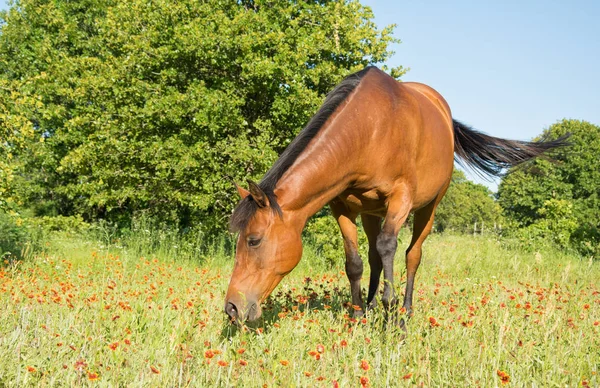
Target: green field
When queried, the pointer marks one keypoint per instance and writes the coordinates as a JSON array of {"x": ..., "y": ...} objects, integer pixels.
[{"x": 486, "y": 314}]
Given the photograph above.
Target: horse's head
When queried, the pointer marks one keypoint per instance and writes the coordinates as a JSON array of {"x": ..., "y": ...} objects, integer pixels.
[{"x": 267, "y": 249}]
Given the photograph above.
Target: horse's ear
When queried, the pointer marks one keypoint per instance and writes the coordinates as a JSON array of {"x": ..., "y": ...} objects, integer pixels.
[
  {"x": 258, "y": 195},
  {"x": 241, "y": 191}
]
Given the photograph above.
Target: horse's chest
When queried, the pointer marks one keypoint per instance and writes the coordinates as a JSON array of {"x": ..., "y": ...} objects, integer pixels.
[{"x": 371, "y": 201}]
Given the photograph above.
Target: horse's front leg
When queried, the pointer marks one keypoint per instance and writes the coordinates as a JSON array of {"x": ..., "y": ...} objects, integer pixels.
[
  {"x": 354, "y": 265},
  {"x": 372, "y": 226}
]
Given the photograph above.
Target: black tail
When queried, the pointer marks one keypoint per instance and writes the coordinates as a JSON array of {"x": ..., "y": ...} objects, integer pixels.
[{"x": 491, "y": 155}]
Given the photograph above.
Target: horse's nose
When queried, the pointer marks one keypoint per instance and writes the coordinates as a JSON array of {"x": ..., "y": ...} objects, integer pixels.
[{"x": 231, "y": 310}]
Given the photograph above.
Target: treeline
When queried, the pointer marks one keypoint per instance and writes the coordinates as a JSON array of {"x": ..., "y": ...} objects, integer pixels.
[{"x": 114, "y": 111}]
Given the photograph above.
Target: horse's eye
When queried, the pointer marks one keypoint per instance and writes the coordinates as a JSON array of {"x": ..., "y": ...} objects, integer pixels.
[{"x": 253, "y": 242}]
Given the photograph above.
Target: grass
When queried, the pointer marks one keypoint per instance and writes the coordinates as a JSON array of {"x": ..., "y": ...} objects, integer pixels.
[{"x": 486, "y": 314}]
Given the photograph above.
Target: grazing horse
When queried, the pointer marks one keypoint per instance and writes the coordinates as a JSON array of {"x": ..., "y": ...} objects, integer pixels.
[{"x": 379, "y": 148}]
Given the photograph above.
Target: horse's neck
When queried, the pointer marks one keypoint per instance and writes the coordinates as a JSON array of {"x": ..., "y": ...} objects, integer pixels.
[{"x": 319, "y": 174}]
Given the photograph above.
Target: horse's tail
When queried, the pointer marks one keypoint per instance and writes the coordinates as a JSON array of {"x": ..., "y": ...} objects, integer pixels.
[{"x": 491, "y": 155}]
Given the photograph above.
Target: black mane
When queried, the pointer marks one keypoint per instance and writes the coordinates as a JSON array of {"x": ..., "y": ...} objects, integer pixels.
[{"x": 247, "y": 207}]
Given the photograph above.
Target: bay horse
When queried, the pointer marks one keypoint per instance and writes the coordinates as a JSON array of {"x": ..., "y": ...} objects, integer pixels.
[{"x": 378, "y": 148}]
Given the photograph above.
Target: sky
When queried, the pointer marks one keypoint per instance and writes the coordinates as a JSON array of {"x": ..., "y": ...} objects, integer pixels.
[{"x": 507, "y": 68}]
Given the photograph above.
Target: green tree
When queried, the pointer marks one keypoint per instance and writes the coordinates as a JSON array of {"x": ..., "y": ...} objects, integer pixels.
[
  {"x": 558, "y": 198},
  {"x": 465, "y": 204},
  {"x": 157, "y": 107}
]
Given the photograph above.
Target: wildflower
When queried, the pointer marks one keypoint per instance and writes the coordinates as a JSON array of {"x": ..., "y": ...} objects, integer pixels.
[
  {"x": 335, "y": 384},
  {"x": 307, "y": 374},
  {"x": 364, "y": 381},
  {"x": 284, "y": 362},
  {"x": 364, "y": 365},
  {"x": 80, "y": 365},
  {"x": 320, "y": 378},
  {"x": 223, "y": 363},
  {"x": 209, "y": 354},
  {"x": 154, "y": 369},
  {"x": 93, "y": 376},
  {"x": 127, "y": 341},
  {"x": 243, "y": 362},
  {"x": 241, "y": 350},
  {"x": 407, "y": 376},
  {"x": 586, "y": 306},
  {"x": 320, "y": 348},
  {"x": 113, "y": 346},
  {"x": 504, "y": 377},
  {"x": 31, "y": 369},
  {"x": 433, "y": 322},
  {"x": 343, "y": 343}
]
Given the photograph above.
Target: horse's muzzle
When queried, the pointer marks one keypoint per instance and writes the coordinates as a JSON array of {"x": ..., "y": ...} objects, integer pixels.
[{"x": 250, "y": 313}]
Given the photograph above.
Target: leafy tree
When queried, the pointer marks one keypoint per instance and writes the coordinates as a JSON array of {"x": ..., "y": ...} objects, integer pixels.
[
  {"x": 465, "y": 204},
  {"x": 559, "y": 198},
  {"x": 157, "y": 107}
]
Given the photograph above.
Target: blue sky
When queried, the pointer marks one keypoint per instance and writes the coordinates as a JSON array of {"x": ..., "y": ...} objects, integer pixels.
[{"x": 508, "y": 68}]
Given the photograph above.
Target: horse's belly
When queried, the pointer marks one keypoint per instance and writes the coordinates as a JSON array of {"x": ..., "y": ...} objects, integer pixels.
[{"x": 371, "y": 201}]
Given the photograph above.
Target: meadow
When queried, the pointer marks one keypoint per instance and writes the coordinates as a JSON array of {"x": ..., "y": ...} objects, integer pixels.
[{"x": 85, "y": 312}]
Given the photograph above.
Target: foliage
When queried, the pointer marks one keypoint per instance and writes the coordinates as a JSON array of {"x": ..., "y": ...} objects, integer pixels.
[
  {"x": 465, "y": 204},
  {"x": 559, "y": 198},
  {"x": 15, "y": 238},
  {"x": 86, "y": 313},
  {"x": 129, "y": 107}
]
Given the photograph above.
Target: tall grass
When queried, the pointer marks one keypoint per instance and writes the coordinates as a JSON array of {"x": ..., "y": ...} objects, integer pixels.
[{"x": 145, "y": 309}]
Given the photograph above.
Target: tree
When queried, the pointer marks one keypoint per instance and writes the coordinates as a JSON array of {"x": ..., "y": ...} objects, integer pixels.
[
  {"x": 465, "y": 204},
  {"x": 558, "y": 198},
  {"x": 158, "y": 107}
]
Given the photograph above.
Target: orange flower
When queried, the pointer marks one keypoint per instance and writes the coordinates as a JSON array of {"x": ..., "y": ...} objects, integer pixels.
[
  {"x": 504, "y": 377},
  {"x": 335, "y": 384},
  {"x": 80, "y": 365},
  {"x": 407, "y": 376},
  {"x": 320, "y": 348},
  {"x": 243, "y": 362},
  {"x": 343, "y": 343},
  {"x": 364, "y": 365},
  {"x": 307, "y": 374},
  {"x": 364, "y": 381},
  {"x": 154, "y": 369},
  {"x": 223, "y": 363},
  {"x": 586, "y": 306},
  {"x": 93, "y": 376},
  {"x": 433, "y": 322},
  {"x": 241, "y": 350},
  {"x": 284, "y": 362},
  {"x": 113, "y": 346},
  {"x": 209, "y": 354},
  {"x": 31, "y": 369},
  {"x": 127, "y": 341}
]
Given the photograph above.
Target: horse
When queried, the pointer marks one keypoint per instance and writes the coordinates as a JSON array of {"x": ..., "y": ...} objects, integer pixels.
[{"x": 378, "y": 148}]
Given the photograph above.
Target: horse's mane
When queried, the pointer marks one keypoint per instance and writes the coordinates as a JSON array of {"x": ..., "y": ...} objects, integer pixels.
[{"x": 248, "y": 207}]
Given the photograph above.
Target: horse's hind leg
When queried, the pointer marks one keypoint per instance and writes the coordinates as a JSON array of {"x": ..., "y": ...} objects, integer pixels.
[
  {"x": 354, "y": 264},
  {"x": 423, "y": 222},
  {"x": 372, "y": 227},
  {"x": 387, "y": 242}
]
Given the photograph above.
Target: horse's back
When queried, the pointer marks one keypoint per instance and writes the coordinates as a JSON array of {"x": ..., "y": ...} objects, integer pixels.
[{"x": 414, "y": 136}]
